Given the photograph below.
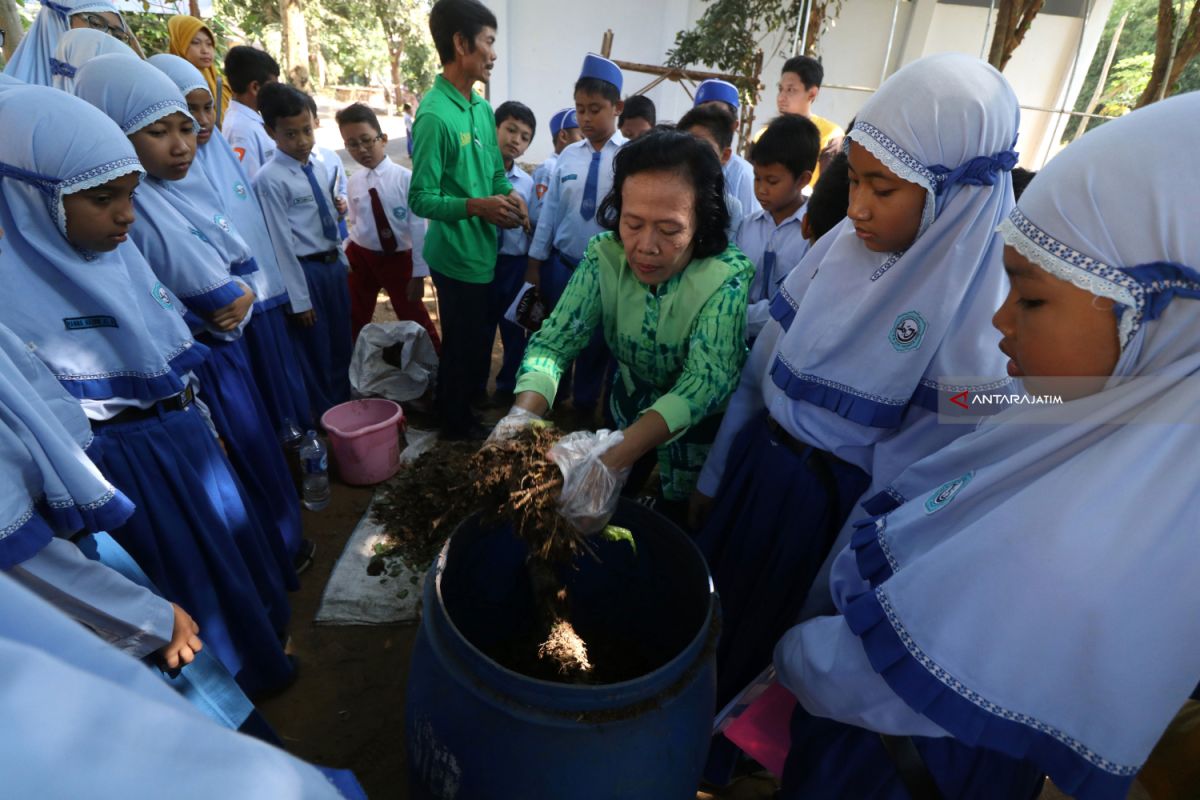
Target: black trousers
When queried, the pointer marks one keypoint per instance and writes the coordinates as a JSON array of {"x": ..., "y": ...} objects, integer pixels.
[{"x": 466, "y": 348}]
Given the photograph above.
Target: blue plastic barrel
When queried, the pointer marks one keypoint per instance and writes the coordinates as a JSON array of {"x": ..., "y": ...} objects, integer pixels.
[{"x": 475, "y": 729}]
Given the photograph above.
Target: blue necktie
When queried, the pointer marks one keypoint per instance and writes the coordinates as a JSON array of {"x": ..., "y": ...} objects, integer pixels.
[
  {"x": 768, "y": 261},
  {"x": 327, "y": 223},
  {"x": 588, "y": 207}
]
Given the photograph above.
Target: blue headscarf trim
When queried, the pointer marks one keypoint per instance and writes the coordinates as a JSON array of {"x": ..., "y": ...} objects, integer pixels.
[
  {"x": 27, "y": 537},
  {"x": 150, "y": 388},
  {"x": 979, "y": 171},
  {"x": 61, "y": 68},
  {"x": 62, "y": 11}
]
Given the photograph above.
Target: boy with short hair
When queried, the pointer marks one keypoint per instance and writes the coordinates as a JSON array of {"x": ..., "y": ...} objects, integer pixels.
[
  {"x": 294, "y": 189},
  {"x": 459, "y": 185},
  {"x": 248, "y": 70},
  {"x": 564, "y": 130},
  {"x": 638, "y": 117},
  {"x": 581, "y": 179},
  {"x": 386, "y": 238},
  {"x": 799, "y": 84},
  {"x": 773, "y": 237},
  {"x": 739, "y": 175},
  {"x": 714, "y": 125},
  {"x": 515, "y": 127}
]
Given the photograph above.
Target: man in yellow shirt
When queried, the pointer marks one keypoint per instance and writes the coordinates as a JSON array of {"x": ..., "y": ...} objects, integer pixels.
[{"x": 799, "y": 85}]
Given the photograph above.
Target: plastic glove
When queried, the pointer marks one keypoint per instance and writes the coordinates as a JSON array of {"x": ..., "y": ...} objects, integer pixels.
[
  {"x": 590, "y": 488},
  {"x": 516, "y": 420}
]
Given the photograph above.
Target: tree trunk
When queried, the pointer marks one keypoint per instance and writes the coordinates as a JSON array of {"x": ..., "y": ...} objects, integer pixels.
[
  {"x": 10, "y": 21},
  {"x": 1168, "y": 57},
  {"x": 295, "y": 43},
  {"x": 316, "y": 69},
  {"x": 194, "y": 8},
  {"x": 1013, "y": 18},
  {"x": 396, "y": 58}
]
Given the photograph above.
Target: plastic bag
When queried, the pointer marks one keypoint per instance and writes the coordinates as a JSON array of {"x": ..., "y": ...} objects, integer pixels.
[
  {"x": 395, "y": 360},
  {"x": 590, "y": 489},
  {"x": 512, "y": 423}
]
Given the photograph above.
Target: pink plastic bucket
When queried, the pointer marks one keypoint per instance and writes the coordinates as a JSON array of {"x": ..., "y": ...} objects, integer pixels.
[{"x": 364, "y": 437}]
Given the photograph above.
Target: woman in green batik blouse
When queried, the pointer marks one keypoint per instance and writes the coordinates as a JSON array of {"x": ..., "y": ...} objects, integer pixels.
[{"x": 669, "y": 291}]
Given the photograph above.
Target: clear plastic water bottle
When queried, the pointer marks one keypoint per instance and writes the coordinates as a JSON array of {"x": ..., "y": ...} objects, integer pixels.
[
  {"x": 314, "y": 461},
  {"x": 290, "y": 435}
]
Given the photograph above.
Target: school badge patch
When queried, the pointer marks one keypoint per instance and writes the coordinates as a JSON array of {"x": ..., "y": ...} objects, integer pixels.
[
  {"x": 907, "y": 331},
  {"x": 942, "y": 496},
  {"x": 239, "y": 189},
  {"x": 161, "y": 295},
  {"x": 400, "y": 213},
  {"x": 221, "y": 222},
  {"x": 464, "y": 138}
]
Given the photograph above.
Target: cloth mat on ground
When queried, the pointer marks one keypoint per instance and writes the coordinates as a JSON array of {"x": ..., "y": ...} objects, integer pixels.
[{"x": 352, "y": 597}]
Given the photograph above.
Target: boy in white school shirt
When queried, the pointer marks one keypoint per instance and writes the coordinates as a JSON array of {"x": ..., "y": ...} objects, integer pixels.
[
  {"x": 386, "y": 238},
  {"x": 248, "y": 70}
]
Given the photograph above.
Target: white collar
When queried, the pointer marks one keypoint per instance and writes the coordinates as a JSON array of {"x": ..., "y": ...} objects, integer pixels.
[{"x": 383, "y": 167}]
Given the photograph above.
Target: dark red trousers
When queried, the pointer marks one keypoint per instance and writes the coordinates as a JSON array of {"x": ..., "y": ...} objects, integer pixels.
[{"x": 371, "y": 271}]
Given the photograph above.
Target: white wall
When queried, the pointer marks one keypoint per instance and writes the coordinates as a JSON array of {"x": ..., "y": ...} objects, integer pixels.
[{"x": 542, "y": 44}]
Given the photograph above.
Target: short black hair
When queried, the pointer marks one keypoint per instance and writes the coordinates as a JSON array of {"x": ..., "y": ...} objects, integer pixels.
[
  {"x": 280, "y": 100},
  {"x": 358, "y": 112},
  {"x": 1021, "y": 178},
  {"x": 830, "y": 197},
  {"x": 639, "y": 107},
  {"x": 683, "y": 153},
  {"x": 245, "y": 65},
  {"x": 312, "y": 105},
  {"x": 449, "y": 17},
  {"x": 597, "y": 86},
  {"x": 511, "y": 109},
  {"x": 790, "y": 140},
  {"x": 807, "y": 68},
  {"x": 714, "y": 119}
]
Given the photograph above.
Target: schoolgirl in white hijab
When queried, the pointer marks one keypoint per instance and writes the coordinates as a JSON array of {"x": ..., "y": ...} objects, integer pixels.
[
  {"x": 842, "y": 388},
  {"x": 76, "y": 47},
  {"x": 1033, "y": 590},
  {"x": 183, "y": 229},
  {"x": 114, "y": 337},
  {"x": 33, "y": 60},
  {"x": 268, "y": 337}
]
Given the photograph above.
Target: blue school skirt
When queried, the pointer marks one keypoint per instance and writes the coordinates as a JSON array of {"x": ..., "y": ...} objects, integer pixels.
[
  {"x": 776, "y": 515},
  {"x": 227, "y": 387},
  {"x": 833, "y": 760},
  {"x": 194, "y": 538},
  {"x": 276, "y": 368},
  {"x": 324, "y": 349}
]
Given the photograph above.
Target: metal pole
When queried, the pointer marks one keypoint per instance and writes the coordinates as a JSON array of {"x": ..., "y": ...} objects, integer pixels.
[
  {"x": 987, "y": 26},
  {"x": 1166, "y": 82},
  {"x": 887, "y": 56},
  {"x": 804, "y": 33},
  {"x": 796, "y": 33},
  {"x": 1060, "y": 120}
]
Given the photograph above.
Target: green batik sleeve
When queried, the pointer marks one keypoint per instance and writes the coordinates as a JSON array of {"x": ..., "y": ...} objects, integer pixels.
[
  {"x": 716, "y": 352},
  {"x": 565, "y": 333},
  {"x": 431, "y": 142}
]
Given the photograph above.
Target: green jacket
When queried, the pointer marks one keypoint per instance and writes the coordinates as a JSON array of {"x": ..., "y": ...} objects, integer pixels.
[{"x": 456, "y": 157}]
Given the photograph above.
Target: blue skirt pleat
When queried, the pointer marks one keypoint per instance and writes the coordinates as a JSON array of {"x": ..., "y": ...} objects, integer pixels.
[
  {"x": 772, "y": 523},
  {"x": 324, "y": 349},
  {"x": 227, "y": 387},
  {"x": 833, "y": 760},
  {"x": 195, "y": 539},
  {"x": 277, "y": 368}
]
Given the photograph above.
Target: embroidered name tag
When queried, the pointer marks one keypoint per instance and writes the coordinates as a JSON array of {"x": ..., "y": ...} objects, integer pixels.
[
  {"x": 571, "y": 177},
  {"x": 83, "y": 323},
  {"x": 302, "y": 199}
]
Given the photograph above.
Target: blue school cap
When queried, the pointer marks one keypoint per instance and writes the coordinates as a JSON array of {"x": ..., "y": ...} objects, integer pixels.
[
  {"x": 601, "y": 68},
  {"x": 570, "y": 120},
  {"x": 556, "y": 122},
  {"x": 714, "y": 89}
]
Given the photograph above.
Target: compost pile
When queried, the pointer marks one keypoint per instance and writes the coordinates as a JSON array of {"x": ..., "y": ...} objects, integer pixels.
[{"x": 511, "y": 481}]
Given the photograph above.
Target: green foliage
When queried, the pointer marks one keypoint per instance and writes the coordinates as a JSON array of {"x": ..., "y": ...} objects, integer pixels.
[
  {"x": 729, "y": 33},
  {"x": 1132, "y": 64}
]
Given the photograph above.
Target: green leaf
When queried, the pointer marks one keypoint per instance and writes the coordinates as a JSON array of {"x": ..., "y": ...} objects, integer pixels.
[{"x": 615, "y": 533}]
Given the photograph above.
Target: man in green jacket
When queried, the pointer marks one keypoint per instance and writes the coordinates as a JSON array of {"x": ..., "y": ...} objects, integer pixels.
[{"x": 459, "y": 185}]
